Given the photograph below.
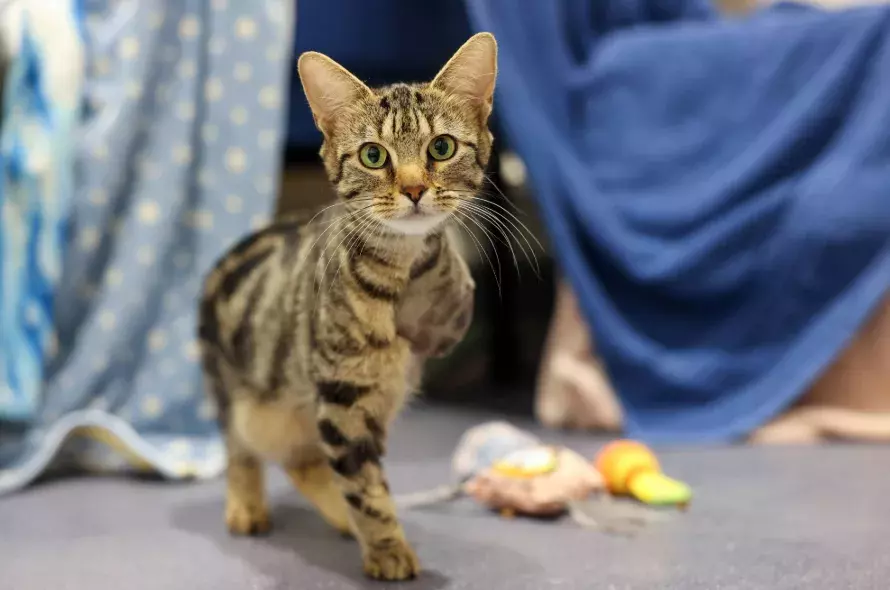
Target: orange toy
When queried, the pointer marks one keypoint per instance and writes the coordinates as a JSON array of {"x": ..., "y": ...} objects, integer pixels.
[{"x": 631, "y": 468}]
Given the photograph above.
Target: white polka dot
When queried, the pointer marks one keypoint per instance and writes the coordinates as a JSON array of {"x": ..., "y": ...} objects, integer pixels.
[
  {"x": 149, "y": 212},
  {"x": 152, "y": 406},
  {"x": 185, "y": 110},
  {"x": 128, "y": 48},
  {"x": 102, "y": 66},
  {"x": 238, "y": 115},
  {"x": 207, "y": 410},
  {"x": 89, "y": 238},
  {"x": 157, "y": 340},
  {"x": 99, "y": 403},
  {"x": 187, "y": 69},
  {"x": 205, "y": 177},
  {"x": 114, "y": 277},
  {"x": 98, "y": 196},
  {"x": 209, "y": 133},
  {"x": 192, "y": 351},
  {"x": 243, "y": 71},
  {"x": 100, "y": 151},
  {"x": 236, "y": 160},
  {"x": 276, "y": 12},
  {"x": 156, "y": 20},
  {"x": 258, "y": 221},
  {"x": 234, "y": 204},
  {"x": 32, "y": 314},
  {"x": 107, "y": 320},
  {"x": 213, "y": 89},
  {"x": 145, "y": 256},
  {"x": 245, "y": 28},
  {"x": 217, "y": 45},
  {"x": 267, "y": 139},
  {"x": 200, "y": 219},
  {"x": 133, "y": 88},
  {"x": 182, "y": 154},
  {"x": 269, "y": 98},
  {"x": 180, "y": 447},
  {"x": 273, "y": 53},
  {"x": 189, "y": 27}
]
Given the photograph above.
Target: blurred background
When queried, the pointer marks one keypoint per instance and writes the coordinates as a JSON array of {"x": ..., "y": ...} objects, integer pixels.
[{"x": 141, "y": 140}]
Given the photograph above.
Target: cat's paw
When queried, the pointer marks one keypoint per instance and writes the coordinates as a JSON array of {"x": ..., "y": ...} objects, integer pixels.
[
  {"x": 246, "y": 519},
  {"x": 391, "y": 561}
]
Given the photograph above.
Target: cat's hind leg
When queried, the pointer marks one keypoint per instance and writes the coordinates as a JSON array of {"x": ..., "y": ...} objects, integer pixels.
[{"x": 246, "y": 511}]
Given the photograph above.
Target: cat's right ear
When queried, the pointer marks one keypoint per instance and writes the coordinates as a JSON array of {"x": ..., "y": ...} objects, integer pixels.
[{"x": 328, "y": 87}]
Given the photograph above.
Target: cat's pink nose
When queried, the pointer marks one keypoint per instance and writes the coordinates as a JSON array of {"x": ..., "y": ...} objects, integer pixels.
[{"x": 414, "y": 192}]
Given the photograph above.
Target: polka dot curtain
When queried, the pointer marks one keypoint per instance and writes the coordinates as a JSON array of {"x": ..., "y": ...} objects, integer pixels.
[{"x": 178, "y": 158}]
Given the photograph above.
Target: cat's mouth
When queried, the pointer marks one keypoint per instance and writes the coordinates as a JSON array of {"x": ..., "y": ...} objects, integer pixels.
[{"x": 417, "y": 221}]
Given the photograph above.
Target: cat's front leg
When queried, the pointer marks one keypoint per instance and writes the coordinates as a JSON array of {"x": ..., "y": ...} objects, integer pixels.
[{"x": 353, "y": 419}]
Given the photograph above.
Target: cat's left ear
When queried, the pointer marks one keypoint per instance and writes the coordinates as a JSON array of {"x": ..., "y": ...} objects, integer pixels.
[
  {"x": 472, "y": 71},
  {"x": 329, "y": 87}
]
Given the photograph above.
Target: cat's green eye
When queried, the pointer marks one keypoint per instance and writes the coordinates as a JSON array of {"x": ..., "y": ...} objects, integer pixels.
[
  {"x": 442, "y": 147},
  {"x": 373, "y": 155}
]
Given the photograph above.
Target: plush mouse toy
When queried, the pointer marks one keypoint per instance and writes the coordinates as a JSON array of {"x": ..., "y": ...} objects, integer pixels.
[{"x": 512, "y": 472}]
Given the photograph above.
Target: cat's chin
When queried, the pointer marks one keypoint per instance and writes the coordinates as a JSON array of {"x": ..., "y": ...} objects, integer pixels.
[{"x": 416, "y": 225}]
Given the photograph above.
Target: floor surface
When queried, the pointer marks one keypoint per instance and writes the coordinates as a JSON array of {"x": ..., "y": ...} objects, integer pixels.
[{"x": 775, "y": 519}]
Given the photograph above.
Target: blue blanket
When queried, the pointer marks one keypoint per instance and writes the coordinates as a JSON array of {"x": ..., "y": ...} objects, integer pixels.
[
  {"x": 717, "y": 192},
  {"x": 177, "y": 157}
]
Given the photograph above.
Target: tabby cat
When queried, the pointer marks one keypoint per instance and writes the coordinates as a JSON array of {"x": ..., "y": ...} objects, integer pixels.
[{"x": 313, "y": 332}]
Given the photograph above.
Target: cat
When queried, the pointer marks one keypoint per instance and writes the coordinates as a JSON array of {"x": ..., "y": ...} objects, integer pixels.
[{"x": 313, "y": 332}]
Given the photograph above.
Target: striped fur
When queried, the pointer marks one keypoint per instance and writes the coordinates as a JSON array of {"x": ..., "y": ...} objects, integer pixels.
[{"x": 313, "y": 332}]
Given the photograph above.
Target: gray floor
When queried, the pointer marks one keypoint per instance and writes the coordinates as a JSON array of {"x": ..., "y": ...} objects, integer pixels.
[{"x": 776, "y": 519}]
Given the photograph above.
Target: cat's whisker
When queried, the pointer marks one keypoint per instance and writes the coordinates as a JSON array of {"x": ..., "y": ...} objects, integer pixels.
[
  {"x": 498, "y": 217},
  {"x": 481, "y": 250},
  {"x": 491, "y": 240},
  {"x": 349, "y": 227},
  {"x": 499, "y": 191},
  {"x": 337, "y": 203},
  {"x": 503, "y": 225},
  {"x": 357, "y": 234},
  {"x": 333, "y": 224},
  {"x": 502, "y": 238}
]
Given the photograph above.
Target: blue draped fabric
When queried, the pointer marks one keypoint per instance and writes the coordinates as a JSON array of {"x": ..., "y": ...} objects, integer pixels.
[
  {"x": 716, "y": 191},
  {"x": 177, "y": 157},
  {"x": 40, "y": 111}
]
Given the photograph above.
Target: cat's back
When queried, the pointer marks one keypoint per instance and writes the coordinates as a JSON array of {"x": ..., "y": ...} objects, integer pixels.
[{"x": 249, "y": 292}]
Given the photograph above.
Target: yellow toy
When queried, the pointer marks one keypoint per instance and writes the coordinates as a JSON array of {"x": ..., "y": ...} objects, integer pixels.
[{"x": 630, "y": 468}]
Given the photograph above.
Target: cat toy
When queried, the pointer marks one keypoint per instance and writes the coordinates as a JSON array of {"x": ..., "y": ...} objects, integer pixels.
[
  {"x": 630, "y": 468},
  {"x": 515, "y": 474}
]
